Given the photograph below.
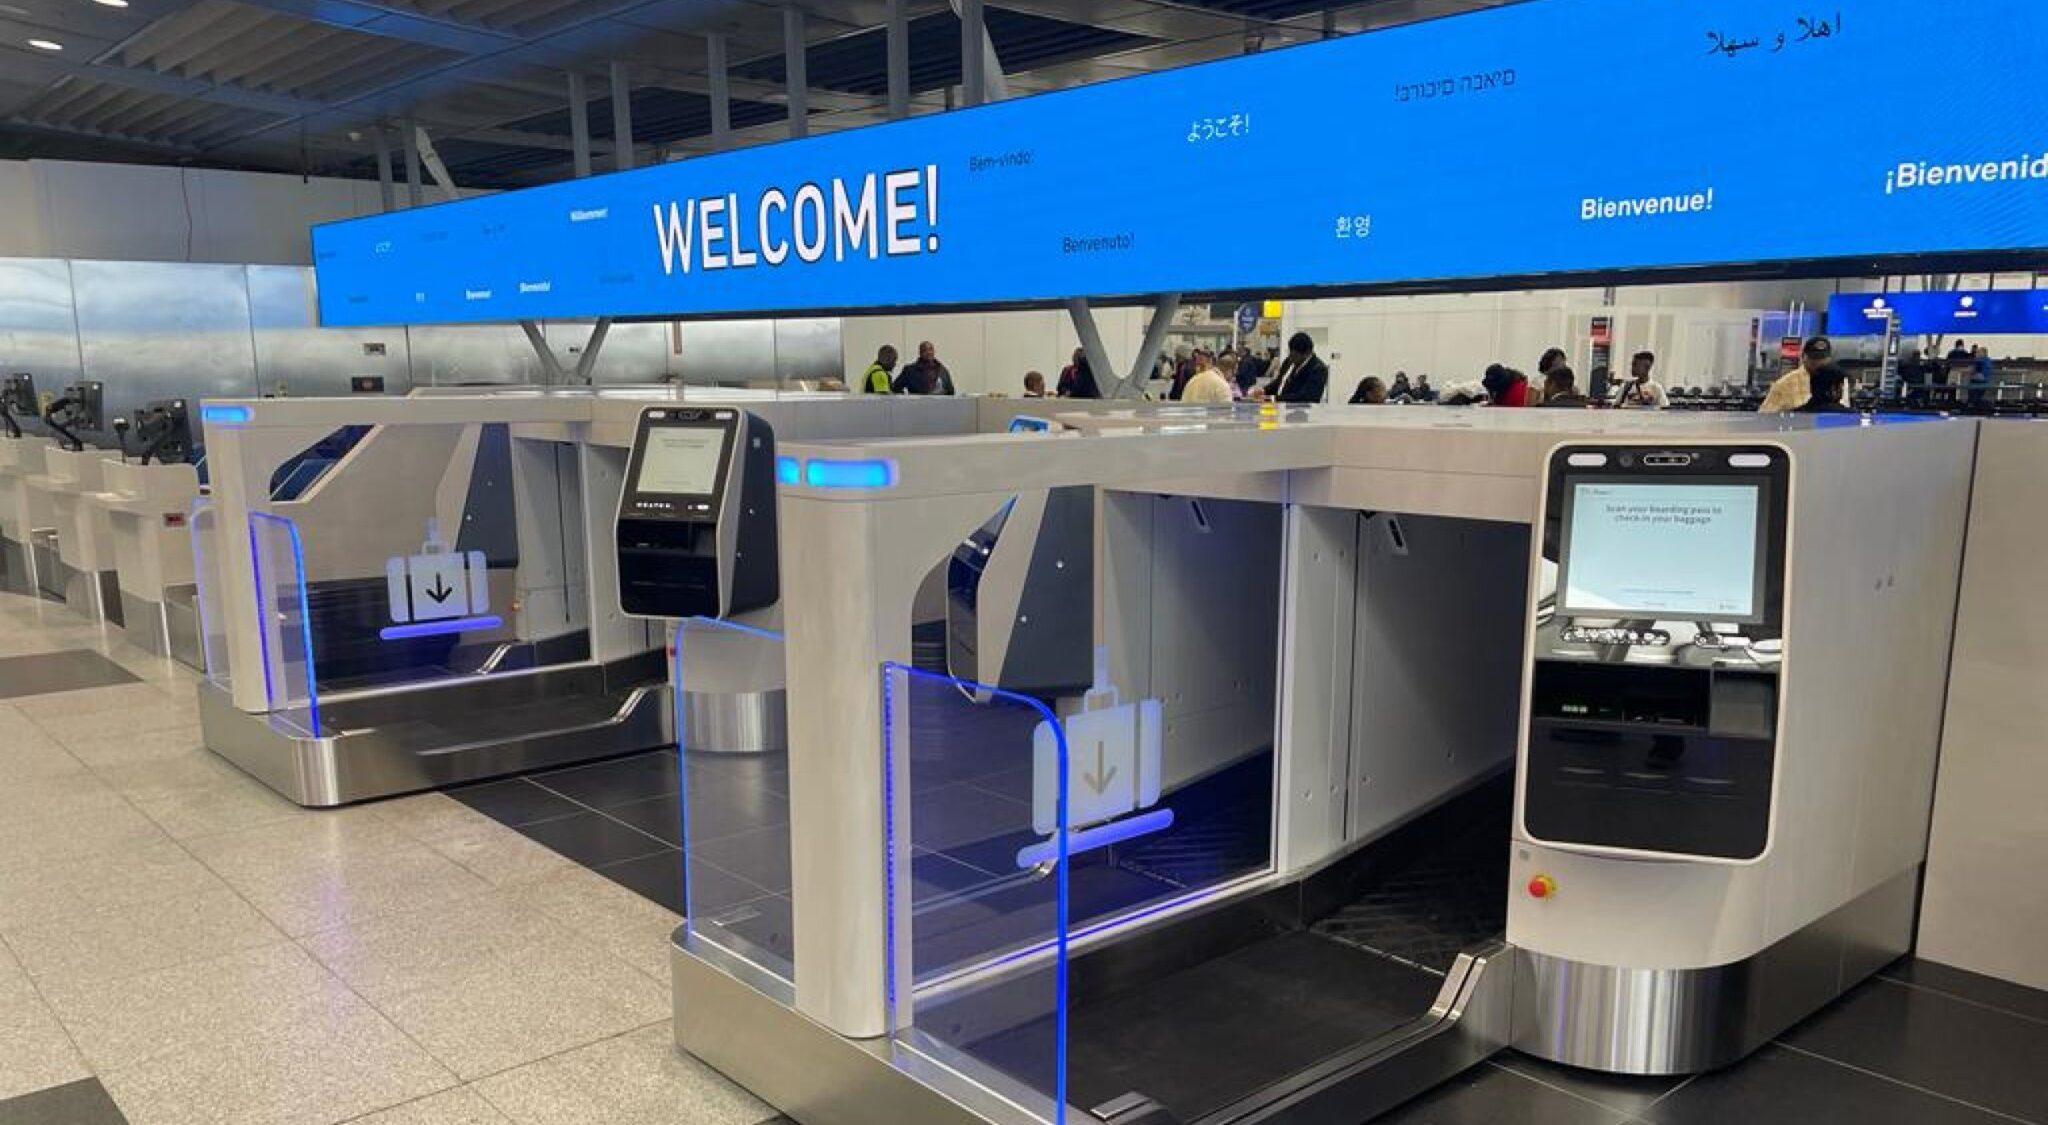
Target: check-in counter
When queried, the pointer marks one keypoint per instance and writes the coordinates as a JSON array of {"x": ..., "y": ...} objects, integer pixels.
[
  {"x": 147, "y": 508},
  {"x": 74, "y": 556},
  {"x": 23, "y": 511}
]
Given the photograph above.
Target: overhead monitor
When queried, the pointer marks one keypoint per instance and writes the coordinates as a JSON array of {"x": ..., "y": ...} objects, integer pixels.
[
  {"x": 1683, "y": 552},
  {"x": 1394, "y": 141}
]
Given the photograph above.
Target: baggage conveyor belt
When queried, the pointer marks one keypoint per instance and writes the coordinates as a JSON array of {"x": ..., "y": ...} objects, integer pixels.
[{"x": 1207, "y": 1019}]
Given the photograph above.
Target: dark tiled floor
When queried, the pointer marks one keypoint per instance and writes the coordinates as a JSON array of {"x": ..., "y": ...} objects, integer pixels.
[
  {"x": 59, "y": 671},
  {"x": 1921, "y": 1044},
  {"x": 84, "y": 1102},
  {"x": 624, "y": 819}
]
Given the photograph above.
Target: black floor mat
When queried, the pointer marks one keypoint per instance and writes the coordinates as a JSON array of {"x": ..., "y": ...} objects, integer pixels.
[
  {"x": 1199, "y": 1039},
  {"x": 1449, "y": 899}
]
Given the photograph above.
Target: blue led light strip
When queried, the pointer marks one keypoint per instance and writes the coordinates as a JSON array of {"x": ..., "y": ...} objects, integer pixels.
[
  {"x": 1100, "y": 836},
  {"x": 864, "y": 473},
  {"x": 225, "y": 414},
  {"x": 298, "y": 547},
  {"x": 439, "y": 628},
  {"x": 894, "y": 713}
]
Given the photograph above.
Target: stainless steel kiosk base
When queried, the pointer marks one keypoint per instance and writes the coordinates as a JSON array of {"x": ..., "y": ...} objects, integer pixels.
[
  {"x": 16, "y": 575},
  {"x": 167, "y": 628},
  {"x": 1682, "y": 1021},
  {"x": 743, "y": 1025},
  {"x": 384, "y": 744}
]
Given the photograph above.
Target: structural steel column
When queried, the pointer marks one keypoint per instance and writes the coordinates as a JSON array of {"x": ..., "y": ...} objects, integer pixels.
[
  {"x": 622, "y": 118},
  {"x": 411, "y": 141},
  {"x": 973, "y": 64},
  {"x": 899, "y": 61},
  {"x": 721, "y": 91},
  {"x": 579, "y": 125},
  {"x": 387, "y": 195},
  {"x": 799, "y": 77}
]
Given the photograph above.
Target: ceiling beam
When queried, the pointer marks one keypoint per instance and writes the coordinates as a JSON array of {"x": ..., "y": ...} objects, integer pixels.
[
  {"x": 29, "y": 124},
  {"x": 50, "y": 68},
  {"x": 392, "y": 22}
]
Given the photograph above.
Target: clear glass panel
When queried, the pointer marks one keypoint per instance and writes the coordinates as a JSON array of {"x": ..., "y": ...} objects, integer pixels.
[
  {"x": 289, "y": 680},
  {"x": 206, "y": 560},
  {"x": 419, "y": 567},
  {"x": 977, "y": 837},
  {"x": 734, "y": 758}
]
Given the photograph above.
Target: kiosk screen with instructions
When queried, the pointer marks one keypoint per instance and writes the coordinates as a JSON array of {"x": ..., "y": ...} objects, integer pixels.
[{"x": 1551, "y": 136}]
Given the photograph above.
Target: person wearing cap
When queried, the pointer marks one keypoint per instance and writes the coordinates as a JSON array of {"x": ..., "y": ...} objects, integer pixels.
[
  {"x": 1830, "y": 386},
  {"x": 1795, "y": 387}
]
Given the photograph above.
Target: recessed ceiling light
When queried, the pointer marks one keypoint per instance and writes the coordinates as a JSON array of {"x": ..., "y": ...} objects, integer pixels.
[
  {"x": 112, "y": 3},
  {"x": 45, "y": 45}
]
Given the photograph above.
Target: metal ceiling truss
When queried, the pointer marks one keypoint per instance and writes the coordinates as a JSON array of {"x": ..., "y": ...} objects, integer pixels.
[{"x": 256, "y": 82}]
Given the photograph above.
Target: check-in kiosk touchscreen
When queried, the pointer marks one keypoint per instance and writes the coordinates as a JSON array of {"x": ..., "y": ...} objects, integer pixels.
[
  {"x": 1653, "y": 694},
  {"x": 696, "y": 526}
]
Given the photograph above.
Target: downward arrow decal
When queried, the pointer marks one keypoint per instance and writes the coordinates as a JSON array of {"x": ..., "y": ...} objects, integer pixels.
[{"x": 1099, "y": 779}]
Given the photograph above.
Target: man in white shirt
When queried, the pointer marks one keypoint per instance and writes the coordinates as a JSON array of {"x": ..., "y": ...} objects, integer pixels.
[
  {"x": 1208, "y": 386},
  {"x": 1641, "y": 392}
]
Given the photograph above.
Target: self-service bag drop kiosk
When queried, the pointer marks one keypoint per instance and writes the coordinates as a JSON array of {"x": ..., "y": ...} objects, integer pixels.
[
  {"x": 1716, "y": 752},
  {"x": 696, "y": 524},
  {"x": 74, "y": 557},
  {"x": 21, "y": 457}
]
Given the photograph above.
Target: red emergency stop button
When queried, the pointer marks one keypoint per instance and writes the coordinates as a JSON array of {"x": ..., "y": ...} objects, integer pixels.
[{"x": 1542, "y": 886}]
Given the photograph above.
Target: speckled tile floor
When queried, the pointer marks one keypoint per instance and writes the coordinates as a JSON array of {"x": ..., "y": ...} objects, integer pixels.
[{"x": 179, "y": 946}]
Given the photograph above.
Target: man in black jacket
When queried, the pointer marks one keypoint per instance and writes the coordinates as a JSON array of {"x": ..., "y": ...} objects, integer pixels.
[
  {"x": 927, "y": 376},
  {"x": 1303, "y": 376}
]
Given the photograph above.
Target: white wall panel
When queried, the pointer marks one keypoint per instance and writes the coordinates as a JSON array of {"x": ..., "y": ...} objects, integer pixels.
[
  {"x": 23, "y": 234},
  {"x": 128, "y": 212}
]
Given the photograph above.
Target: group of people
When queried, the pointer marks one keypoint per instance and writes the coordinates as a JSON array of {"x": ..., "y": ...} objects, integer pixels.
[
  {"x": 1206, "y": 375},
  {"x": 926, "y": 376},
  {"x": 1508, "y": 387},
  {"x": 1817, "y": 385}
]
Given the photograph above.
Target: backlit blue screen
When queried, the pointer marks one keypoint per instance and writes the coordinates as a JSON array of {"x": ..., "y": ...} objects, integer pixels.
[
  {"x": 1982, "y": 312},
  {"x": 1552, "y": 136}
]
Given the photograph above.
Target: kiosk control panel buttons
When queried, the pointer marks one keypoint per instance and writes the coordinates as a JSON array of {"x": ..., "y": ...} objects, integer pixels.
[{"x": 1579, "y": 634}]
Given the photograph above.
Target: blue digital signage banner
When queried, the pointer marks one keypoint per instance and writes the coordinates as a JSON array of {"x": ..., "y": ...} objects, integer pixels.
[
  {"x": 1553, "y": 136},
  {"x": 1981, "y": 312}
]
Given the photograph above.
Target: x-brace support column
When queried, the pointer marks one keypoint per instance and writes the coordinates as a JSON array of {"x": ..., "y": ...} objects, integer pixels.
[
  {"x": 1164, "y": 307},
  {"x": 554, "y": 374}
]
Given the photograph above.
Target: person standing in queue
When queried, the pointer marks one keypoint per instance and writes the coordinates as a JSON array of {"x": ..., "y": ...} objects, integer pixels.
[
  {"x": 1226, "y": 366},
  {"x": 1250, "y": 368},
  {"x": 1794, "y": 387},
  {"x": 1065, "y": 387},
  {"x": 1199, "y": 359},
  {"x": 1083, "y": 384},
  {"x": 1208, "y": 386},
  {"x": 1561, "y": 389},
  {"x": 1303, "y": 376},
  {"x": 1371, "y": 392},
  {"x": 927, "y": 376},
  {"x": 1641, "y": 392},
  {"x": 1827, "y": 387},
  {"x": 1505, "y": 386},
  {"x": 876, "y": 380},
  {"x": 1959, "y": 357}
]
